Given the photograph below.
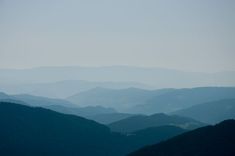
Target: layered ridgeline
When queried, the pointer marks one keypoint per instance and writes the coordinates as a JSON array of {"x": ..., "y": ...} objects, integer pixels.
[
  {"x": 36, "y": 131},
  {"x": 59, "y": 105},
  {"x": 107, "y": 118},
  {"x": 66, "y": 88},
  {"x": 141, "y": 101},
  {"x": 218, "y": 140},
  {"x": 4, "y": 96},
  {"x": 35, "y": 100},
  {"x": 98, "y": 113},
  {"x": 139, "y": 122},
  {"x": 120, "y": 99},
  {"x": 211, "y": 112},
  {"x": 218, "y": 104}
]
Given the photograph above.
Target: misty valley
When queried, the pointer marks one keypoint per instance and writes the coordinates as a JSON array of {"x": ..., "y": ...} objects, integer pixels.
[
  {"x": 109, "y": 118},
  {"x": 117, "y": 77}
]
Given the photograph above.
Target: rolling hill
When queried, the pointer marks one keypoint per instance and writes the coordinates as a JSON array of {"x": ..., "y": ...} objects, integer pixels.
[
  {"x": 4, "y": 96},
  {"x": 140, "y": 101},
  {"x": 140, "y": 122},
  {"x": 107, "y": 118},
  {"x": 64, "y": 89},
  {"x": 154, "y": 135},
  {"x": 87, "y": 112},
  {"x": 59, "y": 105},
  {"x": 184, "y": 98},
  {"x": 210, "y": 112},
  {"x": 37, "y": 131},
  {"x": 42, "y": 101},
  {"x": 120, "y": 99},
  {"x": 218, "y": 140}
]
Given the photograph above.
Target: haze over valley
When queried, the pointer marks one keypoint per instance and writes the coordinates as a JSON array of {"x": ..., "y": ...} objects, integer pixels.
[{"x": 117, "y": 78}]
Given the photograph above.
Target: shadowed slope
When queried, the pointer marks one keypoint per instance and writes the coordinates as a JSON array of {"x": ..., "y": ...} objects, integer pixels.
[
  {"x": 211, "y": 112},
  {"x": 218, "y": 140},
  {"x": 139, "y": 122}
]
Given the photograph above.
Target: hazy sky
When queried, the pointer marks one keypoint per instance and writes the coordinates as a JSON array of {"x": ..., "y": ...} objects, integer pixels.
[{"x": 193, "y": 35}]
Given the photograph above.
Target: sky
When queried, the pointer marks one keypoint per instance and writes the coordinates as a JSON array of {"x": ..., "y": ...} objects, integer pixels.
[{"x": 191, "y": 35}]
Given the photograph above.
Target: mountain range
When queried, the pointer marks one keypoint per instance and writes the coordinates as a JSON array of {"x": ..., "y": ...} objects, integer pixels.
[
  {"x": 120, "y": 99},
  {"x": 63, "y": 89},
  {"x": 27, "y": 130},
  {"x": 206, "y": 104},
  {"x": 184, "y": 98},
  {"x": 157, "y": 77},
  {"x": 140, "y": 101},
  {"x": 59, "y": 105}
]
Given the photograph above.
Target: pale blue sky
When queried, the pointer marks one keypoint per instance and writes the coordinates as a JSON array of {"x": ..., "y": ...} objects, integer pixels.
[{"x": 193, "y": 35}]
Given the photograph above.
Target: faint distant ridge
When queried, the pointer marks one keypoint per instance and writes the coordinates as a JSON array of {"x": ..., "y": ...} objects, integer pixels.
[
  {"x": 65, "y": 88},
  {"x": 158, "y": 77}
]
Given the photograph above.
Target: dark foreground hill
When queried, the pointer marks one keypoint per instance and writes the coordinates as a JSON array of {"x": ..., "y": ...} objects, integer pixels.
[
  {"x": 27, "y": 131},
  {"x": 154, "y": 135},
  {"x": 218, "y": 140},
  {"x": 211, "y": 112},
  {"x": 37, "y": 131}
]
